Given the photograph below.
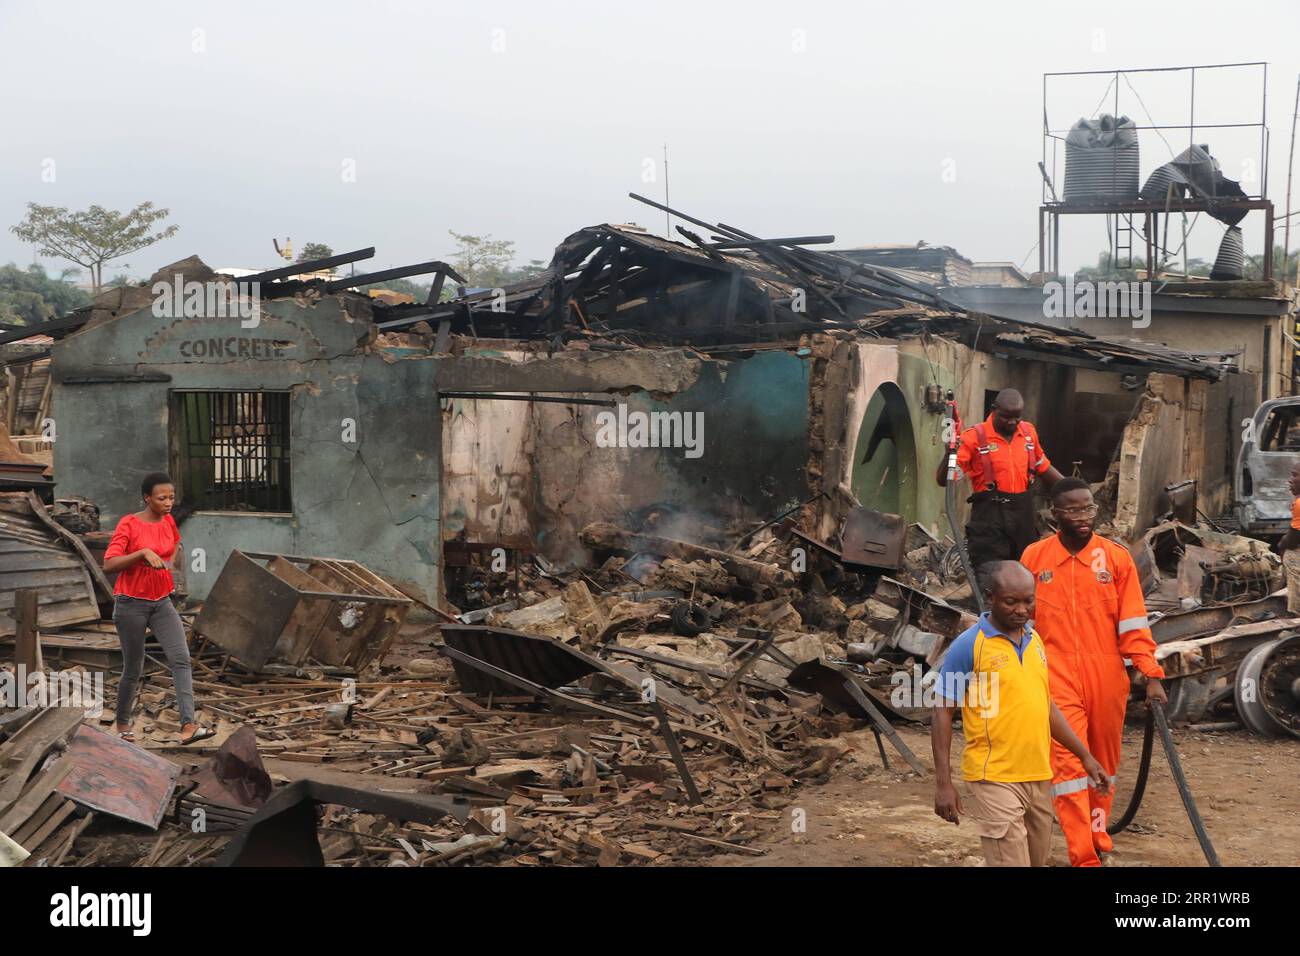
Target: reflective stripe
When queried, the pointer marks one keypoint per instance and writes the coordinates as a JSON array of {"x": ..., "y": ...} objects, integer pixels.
[
  {"x": 1040, "y": 461},
  {"x": 1075, "y": 785},
  {"x": 1132, "y": 624},
  {"x": 1069, "y": 786}
]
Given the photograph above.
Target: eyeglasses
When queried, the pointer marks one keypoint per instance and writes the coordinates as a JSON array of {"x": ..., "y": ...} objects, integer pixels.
[{"x": 1087, "y": 512}]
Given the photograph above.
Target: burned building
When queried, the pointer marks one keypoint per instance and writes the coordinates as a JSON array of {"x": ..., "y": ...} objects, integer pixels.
[{"x": 704, "y": 386}]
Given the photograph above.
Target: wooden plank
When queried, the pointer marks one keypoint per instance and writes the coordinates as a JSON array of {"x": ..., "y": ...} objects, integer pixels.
[
  {"x": 20, "y": 754},
  {"x": 47, "y": 807},
  {"x": 27, "y": 643},
  {"x": 308, "y": 615},
  {"x": 38, "y": 838},
  {"x": 35, "y": 560},
  {"x": 34, "y": 796}
]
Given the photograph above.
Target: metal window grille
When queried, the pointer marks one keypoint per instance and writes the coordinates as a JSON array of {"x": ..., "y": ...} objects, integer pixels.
[{"x": 233, "y": 450}]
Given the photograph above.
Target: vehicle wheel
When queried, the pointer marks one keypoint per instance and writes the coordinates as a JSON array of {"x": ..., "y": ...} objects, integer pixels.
[
  {"x": 1267, "y": 692},
  {"x": 690, "y": 619}
]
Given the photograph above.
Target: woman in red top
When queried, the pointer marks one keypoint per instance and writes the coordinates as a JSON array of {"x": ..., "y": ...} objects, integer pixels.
[{"x": 143, "y": 546}]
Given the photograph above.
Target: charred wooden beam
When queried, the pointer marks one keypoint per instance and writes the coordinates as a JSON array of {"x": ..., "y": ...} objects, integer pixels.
[
  {"x": 401, "y": 272},
  {"x": 310, "y": 265}
]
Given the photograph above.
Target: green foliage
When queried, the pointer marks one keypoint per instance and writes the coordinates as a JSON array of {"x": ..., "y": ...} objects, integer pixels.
[
  {"x": 93, "y": 236},
  {"x": 314, "y": 250},
  {"x": 1105, "y": 269},
  {"x": 1253, "y": 267},
  {"x": 30, "y": 297},
  {"x": 487, "y": 263}
]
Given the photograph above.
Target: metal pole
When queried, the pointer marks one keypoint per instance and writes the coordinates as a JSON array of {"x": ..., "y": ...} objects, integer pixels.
[
  {"x": 1290, "y": 159},
  {"x": 668, "y": 226}
]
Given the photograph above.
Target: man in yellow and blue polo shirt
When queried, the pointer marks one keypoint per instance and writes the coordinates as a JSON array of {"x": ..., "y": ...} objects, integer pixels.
[{"x": 996, "y": 672}]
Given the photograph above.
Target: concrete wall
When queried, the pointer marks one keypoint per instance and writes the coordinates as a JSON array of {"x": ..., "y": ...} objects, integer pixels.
[
  {"x": 1152, "y": 455},
  {"x": 538, "y": 470},
  {"x": 373, "y": 500}
]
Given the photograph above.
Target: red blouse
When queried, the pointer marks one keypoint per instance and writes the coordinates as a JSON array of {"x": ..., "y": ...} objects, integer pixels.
[{"x": 139, "y": 580}]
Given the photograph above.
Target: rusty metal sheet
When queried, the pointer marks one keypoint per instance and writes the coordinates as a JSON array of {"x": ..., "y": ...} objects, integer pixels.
[
  {"x": 246, "y": 610},
  {"x": 873, "y": 539},
  {"x": 118, "y": 778}
]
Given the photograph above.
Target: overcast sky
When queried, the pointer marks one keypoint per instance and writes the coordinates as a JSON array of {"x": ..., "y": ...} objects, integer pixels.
[{"x": 389, "y": 123}]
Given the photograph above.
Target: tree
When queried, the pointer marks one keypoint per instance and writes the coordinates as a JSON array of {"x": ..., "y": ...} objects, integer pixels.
[
  {"x": 527, "y": 271},
  {"x": 314, "y": 250},
  {"x": 482, "y": 260},
  {"x": 1107, "y": 269},
  {"x": 1254, "y": 266},
  {"x": 30, "y": 297},
  {"x": 486, "y": 263},
  {"x": 93, "y": 236}
]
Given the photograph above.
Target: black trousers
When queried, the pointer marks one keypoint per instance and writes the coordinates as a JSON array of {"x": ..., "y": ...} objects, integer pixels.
[{"x": 1001, "y": 527}]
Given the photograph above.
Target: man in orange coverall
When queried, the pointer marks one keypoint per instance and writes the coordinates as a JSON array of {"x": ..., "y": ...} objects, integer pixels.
[{"x": 1091, "y": 617}]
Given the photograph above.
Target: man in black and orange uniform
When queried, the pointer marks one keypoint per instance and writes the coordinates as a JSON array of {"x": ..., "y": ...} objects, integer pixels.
[
  {"x": 1002, "y": 457},
  {"x": 1091, "y": 617}
]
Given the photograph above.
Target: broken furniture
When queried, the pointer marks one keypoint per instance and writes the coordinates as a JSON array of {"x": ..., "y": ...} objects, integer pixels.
[{"x": 335, "y": 612}]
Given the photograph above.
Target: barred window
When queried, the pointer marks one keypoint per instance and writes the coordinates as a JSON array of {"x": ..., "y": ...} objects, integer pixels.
[{"x": 231, "y": 450}]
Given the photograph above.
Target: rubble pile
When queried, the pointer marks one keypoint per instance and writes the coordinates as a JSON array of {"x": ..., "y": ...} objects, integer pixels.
[{"x": 661, "y": 704}]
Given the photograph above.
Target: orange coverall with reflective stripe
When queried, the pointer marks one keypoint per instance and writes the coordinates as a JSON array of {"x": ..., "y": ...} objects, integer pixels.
[{"x": 1091, "y": 616}]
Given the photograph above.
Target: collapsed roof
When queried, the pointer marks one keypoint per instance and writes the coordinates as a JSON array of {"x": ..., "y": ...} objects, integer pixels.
[
  {"x": 729, "y": 287},
  {"x": 724, "y": 287}
]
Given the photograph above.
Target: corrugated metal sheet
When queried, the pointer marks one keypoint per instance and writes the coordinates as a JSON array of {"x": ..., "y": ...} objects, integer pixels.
[
  {"x": 1230, "y": 262},
  {"x": 36, "y": 553},
  {"x": 1101, "y": 160}
]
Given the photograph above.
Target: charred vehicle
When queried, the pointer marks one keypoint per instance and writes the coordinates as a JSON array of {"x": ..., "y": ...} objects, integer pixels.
[{"x": 1270, "y": 447}]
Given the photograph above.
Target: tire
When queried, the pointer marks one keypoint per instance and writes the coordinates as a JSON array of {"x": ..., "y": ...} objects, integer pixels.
[{"x": 690, "y": 619}]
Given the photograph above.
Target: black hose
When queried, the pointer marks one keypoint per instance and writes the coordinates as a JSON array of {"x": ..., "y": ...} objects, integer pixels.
[
  {"x": 1140, "y": 786},
  {"x": 1156, "y": 718},
  {"x": 1158, "y": 712}
]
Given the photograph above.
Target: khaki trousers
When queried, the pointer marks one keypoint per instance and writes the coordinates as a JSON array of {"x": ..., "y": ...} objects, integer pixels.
[
  {"x": 1014, "y": 821},
  {"x": 1291, "y": 562}
]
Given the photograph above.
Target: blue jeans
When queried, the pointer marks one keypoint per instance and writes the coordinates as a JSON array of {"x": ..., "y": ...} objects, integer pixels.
[{"x": 132, "y": 616}]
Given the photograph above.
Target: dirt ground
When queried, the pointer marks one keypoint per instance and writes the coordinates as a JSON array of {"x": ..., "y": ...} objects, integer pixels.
[{"x": 1245, "y": 788}]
